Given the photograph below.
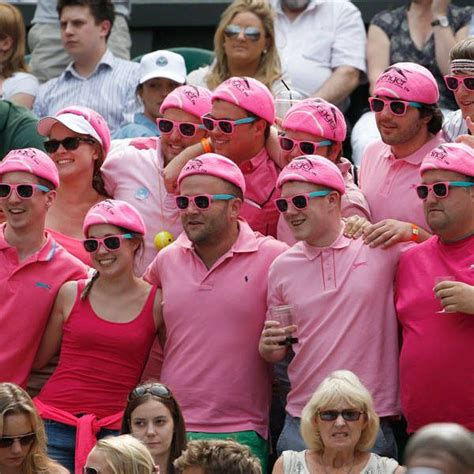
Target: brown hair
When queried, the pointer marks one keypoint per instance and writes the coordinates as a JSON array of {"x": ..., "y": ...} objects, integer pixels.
[{"x": 463, "y": 50}]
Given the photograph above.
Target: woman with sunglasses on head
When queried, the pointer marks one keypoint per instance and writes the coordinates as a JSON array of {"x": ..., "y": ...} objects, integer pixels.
[
  {"x": 339, "y": 425},
  {"x": 244, "y": 44},
  {"x": 22, "y": 436},
  {"x": 105, "y": 328},
  {"x": 154, "y": 417}
]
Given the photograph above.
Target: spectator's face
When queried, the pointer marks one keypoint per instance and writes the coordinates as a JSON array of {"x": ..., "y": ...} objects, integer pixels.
[
  {"x": 329, "y": 152},
  {"x": 153, "y": 92},
  {"x": 80, "y": 34},
  {"x": 465, "y": 97},
  {"x": 12, "y": 457}
]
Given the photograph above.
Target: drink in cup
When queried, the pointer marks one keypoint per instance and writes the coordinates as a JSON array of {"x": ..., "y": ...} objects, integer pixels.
[{"x": 282, "y": 314}]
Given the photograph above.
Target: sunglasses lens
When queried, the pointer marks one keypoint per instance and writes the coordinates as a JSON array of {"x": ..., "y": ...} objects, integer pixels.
[
  {"x": 282, "y": 205},
  {"x": 160, "y": 391},
  {"x": 24, "y": 440},
  {"x": 422, "y": 191},
  {"x": 328, "y": 415},
  {"x": 51, "y": 145},
  {"x": 300, "y": 202},
  {"x": 398, "y": 108},
  {"x": 25, "y": 190},
  {"x": 202, "y": 202},
  {"x": 112, "y": 243},
  {"x": 225, "y": 126},
  {"x": 4, "y": 190},
  {"x": 90, "y": 470},
  {"x": 187, "y": 129},
  {"x": 71, "y": 143},
  {"x": 452, "y": 83},
  {"x": 231, "y": 31},
  {"x": 469, "y": 83},
  {"x": 376, "y": 105},
  {"x": 350, "y": 415},
  {"x": 307, "y": 148},
  {"x": 91, "y": 245},
  {"x": 6, "y": 442},
  {"x": 252, "y": 33},
  {"x": 208, "y": 123},
  {"x": 440, "y": 190},
  {"x": 286, "y": 144},
  {"x": 182, "y": 202},
  {"x": 27, "y": 440},
  {"x": 165, "y": 126}
]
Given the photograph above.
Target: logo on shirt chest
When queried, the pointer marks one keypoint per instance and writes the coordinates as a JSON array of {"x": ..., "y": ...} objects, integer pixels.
[{"x": 40, "y": 284}]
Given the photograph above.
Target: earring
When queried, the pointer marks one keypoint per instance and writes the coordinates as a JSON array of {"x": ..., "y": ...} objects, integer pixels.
[{"x": 265, "y": 51}]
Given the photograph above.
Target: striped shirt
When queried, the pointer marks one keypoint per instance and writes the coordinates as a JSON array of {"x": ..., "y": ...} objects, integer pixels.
[
  {"x": 454, "y": 125},
  {"x": 110, "y": 90}
]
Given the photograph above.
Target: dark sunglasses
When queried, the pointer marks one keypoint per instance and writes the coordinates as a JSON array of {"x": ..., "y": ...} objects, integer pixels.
[
  {"x": 226, "y": 126},
  {"x": 452, "y": 82},
  {"x": 397, "y": 107},
  {"x": 111, "y": 242},
  {"x": 68, "y": 143},
  {"x": 25, "y": 440},
  {"x": 203, "y": 201},
  {"x": 250, "y": 32},
  {"x": 90, "y": 470},
  {"x": 23, "y": 191},
  {"x": 186, "y": 129},
  {"x": 306, "y": 147},
  {"x": 299, "y": 201},
  {"x": 156, "y": 389},
  {"x": 348, "y": 415},
  {"x": 440, "y": 189}
]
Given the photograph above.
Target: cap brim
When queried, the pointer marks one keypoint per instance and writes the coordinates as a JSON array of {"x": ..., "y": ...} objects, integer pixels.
[
  {"x": 75, "y": 123},
  {"x": 165, "y": 75}
]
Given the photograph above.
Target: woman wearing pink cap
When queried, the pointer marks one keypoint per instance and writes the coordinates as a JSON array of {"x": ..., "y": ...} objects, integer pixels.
[
  {"x": 105, "y": 327},
  {"x": 78, "y": 142}
]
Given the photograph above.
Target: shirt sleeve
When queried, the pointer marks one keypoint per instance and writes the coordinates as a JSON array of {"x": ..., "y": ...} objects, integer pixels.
[
  {"x": 26, "y": 136},
  {"x": 460, "y": 16},
  {"x": 385, "y": 21},
  {"x": 39, "y": 107},
  {"x": 20, "y": 83}
]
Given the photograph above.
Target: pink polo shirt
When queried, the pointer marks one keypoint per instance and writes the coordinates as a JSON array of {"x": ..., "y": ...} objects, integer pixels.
[
  {"x": 27, "y": 293},
  {"x": 134, "y": 174},
  {"x": 437, "y": 356},
  {"x": 353, "y": 203},
  {"x": 213, "y": 320},
  {"x": 261, "y": 175},
  {"x": 342, "y": 299},
  {"x": 387, "y": 182}
]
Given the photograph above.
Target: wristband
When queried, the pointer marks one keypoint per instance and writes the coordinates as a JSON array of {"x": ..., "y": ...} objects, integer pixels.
[
  {"x": 415, "y": 233},
  {"x": 206, "y": 145}
]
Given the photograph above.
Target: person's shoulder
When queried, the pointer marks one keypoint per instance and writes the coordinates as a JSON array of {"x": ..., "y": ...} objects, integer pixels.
[
  {"x": 270, "y": 244},
  {"x": 419, "y": 251},
  {"x": 59, "y": 256}
]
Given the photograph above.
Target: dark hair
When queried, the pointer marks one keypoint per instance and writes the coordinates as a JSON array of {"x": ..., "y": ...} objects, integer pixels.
[
  {"x": 178, "y": 444},
  {"x": 236, "y": 191},
  {"x": 436, "y": 122},
  {"x": 463, "y": 50}
]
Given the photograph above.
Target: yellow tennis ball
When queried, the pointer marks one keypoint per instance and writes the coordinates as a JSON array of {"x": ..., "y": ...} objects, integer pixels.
[{"x": 162, "y": 239}]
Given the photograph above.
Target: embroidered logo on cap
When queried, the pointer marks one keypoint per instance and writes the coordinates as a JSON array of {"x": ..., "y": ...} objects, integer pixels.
[
  {"x": 195, "y": 164},
  {"x": 394, "y": 76},
  {"x": 302, "y": 164},
  {"x": 440, "y": 153},
  {"x": 191, "y": 93},
  {"x": 241, "y": 84},
  {"x": 161, "y": 61}
]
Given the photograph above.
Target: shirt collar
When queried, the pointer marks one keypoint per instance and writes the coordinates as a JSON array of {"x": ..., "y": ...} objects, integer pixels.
[
  {"x": 107, "y": 60},
  {"x": 417, "y": 157},
  {"x": 249, "y": 165},
  {"x": 313, "y": 252},
  {"x": 312, "y": 4}
]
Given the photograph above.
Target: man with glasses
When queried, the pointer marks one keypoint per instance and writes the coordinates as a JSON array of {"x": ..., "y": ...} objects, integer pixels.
[
  {"x": 435, "y": 296},
  {"x": 326, "y": 282},
  {"x": 214, "y": 283},
  {"x": 32, "y": 265}
]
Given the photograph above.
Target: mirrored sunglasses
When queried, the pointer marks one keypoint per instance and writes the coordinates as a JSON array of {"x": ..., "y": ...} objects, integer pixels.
[
  {"x": 23, "y": 191},
  {"x": 225, "y": 126},
  {"x": 68, "y": 143},
  {"x": 111, "y": 242},
  {"x": 24, "y": 440},
  {"x": 332, "y": 415},
  {"x": 202, "y": 201},
  {"x": 186, "y": 129},
  {"x": 156, "y": 389},
  {"x": 299, "y": 201},
  {"x": 250, "y": 32},
  {"x": 397, "y": 107},
  {"x": 452, "y": 82},
  {"x": 440, "y": 189},
  {"x": 306, "y": 147}
]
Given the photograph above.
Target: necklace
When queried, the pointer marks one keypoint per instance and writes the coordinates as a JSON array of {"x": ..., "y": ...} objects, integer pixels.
[{"x": 324, "y": 467}]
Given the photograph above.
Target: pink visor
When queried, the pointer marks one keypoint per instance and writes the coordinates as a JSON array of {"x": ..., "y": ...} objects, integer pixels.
[
  {"x": 192, "y": 99},
  {"x": 456, "y": 157}
]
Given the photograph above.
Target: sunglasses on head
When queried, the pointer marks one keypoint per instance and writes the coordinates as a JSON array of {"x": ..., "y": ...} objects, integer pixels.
[
  {"x": 440, "y": 189},
  {"x": 397, "y": 107},
  {"x": 203, "y": 201},
  {"x": 306, "y": 147},
  {"x": 225, "y": 126},
  {"x": 156, "y": 389},
  {"x": 111, "y": 242},
  {"x": 24, "y": 440},
  {"x": 23, "y": 191},
  {"x": 452, "y": 82},
  {"x": 90, "y": 470},
  {"x": 299, "y": 201},
  {"x": 68, "y": 143},
  {"x": 348, "y": 415},
  {"x": 186, "y": 129},
  {"x": 250, "y": 32}
]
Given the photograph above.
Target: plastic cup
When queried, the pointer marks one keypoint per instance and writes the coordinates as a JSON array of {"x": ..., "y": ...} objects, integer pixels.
[
  {"x": 282, "y": 314},
  {"x": 439, "y": 279}
]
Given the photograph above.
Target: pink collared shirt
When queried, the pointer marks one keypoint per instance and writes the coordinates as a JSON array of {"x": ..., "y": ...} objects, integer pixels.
[
  {"x": 261, "y": 175},
  {"x": 27, "y": 293},
  {"x": 342, "y": 304},
  {"x": 388, "y": 183},
  {"x": 213, "y": 320}
]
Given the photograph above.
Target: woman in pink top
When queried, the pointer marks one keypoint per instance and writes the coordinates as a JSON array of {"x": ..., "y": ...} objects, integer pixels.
[{"x": 105, "y": 328}]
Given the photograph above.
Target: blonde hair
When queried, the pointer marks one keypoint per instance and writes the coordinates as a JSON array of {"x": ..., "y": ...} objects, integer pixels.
[
  {"x": 13, "y": 26},
  {"x": 340, "y": 386},
  {"x": 269, "y": 69},
  {"x": 15, "y": 401},
  {"x": 126, "y": 455}
]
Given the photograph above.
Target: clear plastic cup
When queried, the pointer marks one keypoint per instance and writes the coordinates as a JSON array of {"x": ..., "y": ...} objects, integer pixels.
[
  {"x": 439, "y": 279},
  {"x": 282, "y": 314}
]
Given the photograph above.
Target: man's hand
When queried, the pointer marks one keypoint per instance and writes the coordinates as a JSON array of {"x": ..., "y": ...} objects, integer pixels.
[
  {"x": 455, "y": 296},
  {"x": 355, "y": 226},
  {"x": 272, "y": 335},
  {"x": 387, "y": 233}
]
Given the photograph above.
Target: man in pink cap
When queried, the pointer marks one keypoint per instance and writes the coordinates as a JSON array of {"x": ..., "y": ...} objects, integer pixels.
[
  {"x": 214, "y": 283},
  {"x": 326, "y": 282},
  {"x": 32, "y": 265},
  {"x": 435, "y": 296}
]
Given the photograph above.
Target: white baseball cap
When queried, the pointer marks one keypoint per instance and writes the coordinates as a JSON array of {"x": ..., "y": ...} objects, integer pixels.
[{"x": 163, "y": 63}]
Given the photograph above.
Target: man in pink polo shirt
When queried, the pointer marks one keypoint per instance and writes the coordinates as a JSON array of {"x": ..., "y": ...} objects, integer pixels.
[
  {"x": 32, "y": 265},
  {"x": 435, "y": 296},
  {"x": 214, "y": 282},
  {"x": 409, "y": 122},
  {"x": 341, "y": 319}
]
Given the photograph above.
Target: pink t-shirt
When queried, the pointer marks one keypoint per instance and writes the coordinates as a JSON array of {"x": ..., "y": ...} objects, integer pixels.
[
  {"x": 73, "y": 246},
  {"x": 213, "y": 320},
  {"x": 134, "y": 174},
  {"x": 261, "y": 175},
  {"x": 27, "y": 293},
  {"x": 353, "y": 203},
  {"x": 342, "y": 302},
  {"x": 387, "y": 182},
  {"x": 437, "y": 356}
]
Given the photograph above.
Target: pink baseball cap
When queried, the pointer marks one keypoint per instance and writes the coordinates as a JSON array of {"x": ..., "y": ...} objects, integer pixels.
[
  {"x": 249, "y": 94},
  {"x": 408, "y": 81},
  {"x": 114, "y": 212},
  {"x": 80, "y": 120},
  {"x": 192, "y": 99},
  {"x": 313, "y": 169},
  {"x": 33, "y": 161},
  {"x": 212, "y": 164},
  {"x": 456, "y": 157},
  {"x": 318, "y": 117}
]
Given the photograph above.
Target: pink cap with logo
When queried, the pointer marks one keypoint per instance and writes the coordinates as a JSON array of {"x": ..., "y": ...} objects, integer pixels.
[
  {"x": 408, "y": 81},
  {"x": 33, "y": 161},
  {"x": 114, "y": 212},
  {"x": 456, "y": 157},
  {"x": 313, "y": 169},
  {"x": 212, "y": 164},
  {"x": 317, "y": 117},
  {"x": 249, "y": 94},
  {"x": 80, "y": 120},
  {"x": 192, "y": 99}
]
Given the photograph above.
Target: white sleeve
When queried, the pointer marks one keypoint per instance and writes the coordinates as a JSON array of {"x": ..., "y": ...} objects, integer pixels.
[{"x": 20, "y": 83}]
